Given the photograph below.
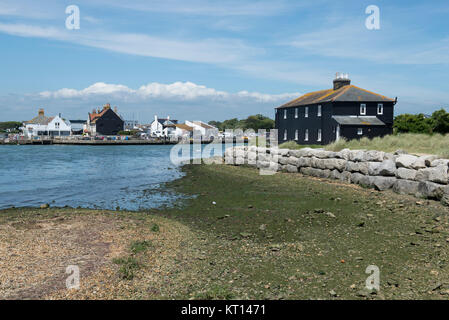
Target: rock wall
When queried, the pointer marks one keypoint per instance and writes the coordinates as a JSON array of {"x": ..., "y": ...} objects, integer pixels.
[{"x": 423, "y": 176}]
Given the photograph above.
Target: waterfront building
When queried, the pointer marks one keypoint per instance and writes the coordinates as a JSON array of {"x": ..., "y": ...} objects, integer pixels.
[
  {"x": 324, "y": 116},
  {"x": 42, "y": 125},
  {"x": 162, "y": 127},
  {"x": 104, "y": 122},
  {"x": 203, "y": 129}
]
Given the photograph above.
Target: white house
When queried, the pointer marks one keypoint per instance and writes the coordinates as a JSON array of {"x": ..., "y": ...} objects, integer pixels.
[
  {"x": 46, "y": 126},
  {"x": 59, "y": 127},
  {"x": 162, "y": 127},
  {"x": 183, "y": 131},
  {"x": 206, "y": 130}
]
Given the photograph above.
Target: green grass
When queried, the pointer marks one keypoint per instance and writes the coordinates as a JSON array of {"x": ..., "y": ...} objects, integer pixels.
[
  {"x": 155, "y": 227},
  {"x": 139, "y": 246},
  {"x": 410, "y": 142},
  {"x": 128, "y": 267}
]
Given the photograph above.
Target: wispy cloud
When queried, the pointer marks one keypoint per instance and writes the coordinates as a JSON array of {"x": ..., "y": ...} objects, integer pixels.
[
  {"x": 205, "y": 7},
  {"x": 204, "y": 50}
]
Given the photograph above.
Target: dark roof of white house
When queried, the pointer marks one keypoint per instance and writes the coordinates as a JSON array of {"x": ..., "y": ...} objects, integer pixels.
[{"x": 359, "y": 120}]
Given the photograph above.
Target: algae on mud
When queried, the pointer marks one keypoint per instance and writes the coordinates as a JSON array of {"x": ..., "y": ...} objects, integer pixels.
[{"x": 249, "y": 236}]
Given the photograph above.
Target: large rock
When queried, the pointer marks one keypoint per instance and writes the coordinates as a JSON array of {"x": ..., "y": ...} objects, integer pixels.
[
  {"x": 384, "y": 168},
  {"x": 362, "y": 167},
  {"x": 239, "y": 161},
  {"x": 435, "y": 174},
  {"x": 420, "y": 163},
  {"x": 282, "y": 160},
  {"x": 404, "y": 173},
  {"x": 357, "y": 155},
  {"x": 345, "y": 176},
  {"x": 373, "y": 155},
  {"x": 406, "y": 161},
  {"x": 240, "y": 153},
  {"x": 291, "y": 168},
  {"x": 361, "y": 179},
  {"x": 335, "y": 174},
  {"x": 331, "y": 164},
  {"x": 439, "y": 162},
  {"x": 315, "y": 172},
  {"x": 382, "y": 183},
  {"x": 406, "y": 187},
  {"x": 293, "y": 161},
  {"x": 429, "y": 190},
  {"x": 252, "y": 155},
  {"x": 262, "y": 164},
  {"x": 304, "y": 162}
]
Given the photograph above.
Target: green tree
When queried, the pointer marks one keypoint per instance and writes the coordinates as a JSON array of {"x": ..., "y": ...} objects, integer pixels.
[
  {"x": 440, "y": 120},
  {"x": 413, "y": 123}
]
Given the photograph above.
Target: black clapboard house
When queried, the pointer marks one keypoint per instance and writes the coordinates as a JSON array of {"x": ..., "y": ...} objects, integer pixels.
[
  {"x": 105, "y": 122},
  {"x": 345, "y": 111}
]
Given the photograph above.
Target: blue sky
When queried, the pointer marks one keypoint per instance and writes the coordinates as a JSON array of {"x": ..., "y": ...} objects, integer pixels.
[{"x": 207, "y": 60}]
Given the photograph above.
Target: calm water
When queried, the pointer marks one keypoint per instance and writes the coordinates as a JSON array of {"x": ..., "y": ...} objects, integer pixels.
[{"x": 87, "y": 176}]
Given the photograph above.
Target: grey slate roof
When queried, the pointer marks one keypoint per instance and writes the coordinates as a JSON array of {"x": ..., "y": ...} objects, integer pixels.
[
  {"x": 359, "y": 120},
  {"x": 349, "y": 93}
]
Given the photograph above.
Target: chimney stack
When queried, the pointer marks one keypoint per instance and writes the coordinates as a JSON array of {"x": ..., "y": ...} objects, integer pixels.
[
  {"x": 341, "y": 80},
  {"x": 40, "y": 112}
]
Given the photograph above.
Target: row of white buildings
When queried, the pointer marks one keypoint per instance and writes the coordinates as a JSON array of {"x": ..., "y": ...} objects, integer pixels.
[
  {"x": 109, "y": 122},
  {"x": 165, "y": 127}
]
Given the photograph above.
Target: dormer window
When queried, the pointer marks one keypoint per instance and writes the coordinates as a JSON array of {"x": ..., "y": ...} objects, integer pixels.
[
  {"x": 362, "y": 109},
  {"x": 285, "y": 113},
  {"x": 380, "y": 109},
  {"x": 319, "y": 110}
]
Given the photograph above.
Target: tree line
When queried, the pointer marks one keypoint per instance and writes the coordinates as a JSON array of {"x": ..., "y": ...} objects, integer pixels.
[
  {"x": 254, "y": 122},
  {"x": 438, "y": 122}
]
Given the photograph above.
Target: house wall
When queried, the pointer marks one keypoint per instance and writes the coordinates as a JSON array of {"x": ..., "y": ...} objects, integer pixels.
[
  {"x": 328, "y": 125},
  {"x": 350, "y": 132},
  {"x": 313, "y": 122},
  {"x": 109, "y": 124}
]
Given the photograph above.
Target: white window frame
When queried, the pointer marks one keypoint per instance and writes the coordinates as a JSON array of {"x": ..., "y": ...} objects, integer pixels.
[
  {"x": 359, "y": 131},
  {"x": 285, "y": 113},
  {"x": 296, "y": 134},
  {"x": 319, "y": 110},
  {"x": 319, "y": 135},
  {"x": 285, "y": 134},
  {"x": 296, "y": 113},
  {"x": 306, "y": 135},
  {"x": 362, "y": 109},
  {"x": 306, "y": 112},
  {"x": 380, "y": 109}
]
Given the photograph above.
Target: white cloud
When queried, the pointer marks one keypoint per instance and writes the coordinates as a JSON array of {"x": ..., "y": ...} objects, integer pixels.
[{"x": 174, "y": 91}]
